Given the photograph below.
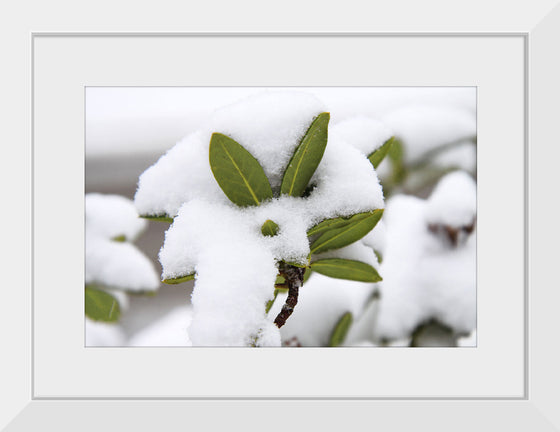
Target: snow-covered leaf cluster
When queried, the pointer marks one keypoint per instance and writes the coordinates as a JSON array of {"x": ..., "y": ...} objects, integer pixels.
[
  {"x": 113, "y": 263},
  {"x": 429, "y": 263},
  {"x": 253, "y": 188},
  {"x": 217, "y": 229}
]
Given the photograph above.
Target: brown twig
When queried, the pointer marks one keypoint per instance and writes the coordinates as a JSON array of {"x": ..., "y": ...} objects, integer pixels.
[{"x": 294, "y": 280}]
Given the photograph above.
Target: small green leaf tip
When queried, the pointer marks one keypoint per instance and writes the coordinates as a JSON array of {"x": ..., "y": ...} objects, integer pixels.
[
  {"x": 269, "y": 228},
  {"x": 346, "y": 269},
  {"x": 158, "y": 218},
  {"x": 306, "y": 157},
  {"x": 178, "y": 280},
  {"x": 341, "y": 330},
  {"x": 101, "y": 306},
  {"x": 238, "y": 173},
  {"x": 377, "y": 156}
]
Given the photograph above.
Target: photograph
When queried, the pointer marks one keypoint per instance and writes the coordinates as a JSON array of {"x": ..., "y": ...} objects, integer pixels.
[{"x": 281, "y": 217}]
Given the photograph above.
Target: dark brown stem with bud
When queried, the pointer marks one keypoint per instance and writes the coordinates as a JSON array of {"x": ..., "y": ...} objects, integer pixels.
[{"x": 294, "y": 279}]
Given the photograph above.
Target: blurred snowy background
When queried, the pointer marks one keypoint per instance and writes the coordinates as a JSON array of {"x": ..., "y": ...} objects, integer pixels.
[{"x": 424, "y": 227}]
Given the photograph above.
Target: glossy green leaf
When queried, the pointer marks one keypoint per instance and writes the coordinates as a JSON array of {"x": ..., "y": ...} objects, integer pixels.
[
  {"x": 178, "y": 280},
  {"x": 306, "y": 275},
  {"x": 238, "y": 173},
  {"x": 269, "y": 228},
  {"x": 377, "y": 156},
  {"x": 346, "y": 269},
  {"x": 306, "y": 158},
  {"x": 357, "y": 227},
  {"x": 341, "y": 330},
  {"x": 328, "y": 224},
  {"x": 101, "y": 306},
  {"x": 158, "y": 218}
]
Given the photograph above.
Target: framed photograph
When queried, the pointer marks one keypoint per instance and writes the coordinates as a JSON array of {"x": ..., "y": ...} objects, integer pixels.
[{"x": 507, "y": 378}]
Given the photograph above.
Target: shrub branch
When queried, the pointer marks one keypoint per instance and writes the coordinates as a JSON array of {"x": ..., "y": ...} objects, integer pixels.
[{"x": 294, "y": 279}]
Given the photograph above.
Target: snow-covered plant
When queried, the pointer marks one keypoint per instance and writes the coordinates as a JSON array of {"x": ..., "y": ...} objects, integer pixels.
[
  {"x": 429, "y": 263},
  {"x": 430, "y": 141},
  {"x": 113, "y": 265},
  {"x": 259, "y": 196}
]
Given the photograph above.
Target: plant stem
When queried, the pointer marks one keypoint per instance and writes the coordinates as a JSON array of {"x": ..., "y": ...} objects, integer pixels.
[{"x": 294, "y": 280}]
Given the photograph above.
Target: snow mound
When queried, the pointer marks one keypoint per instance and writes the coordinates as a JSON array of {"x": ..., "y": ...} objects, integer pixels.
[
  {"x": 423, "y": 277},
  {"x": 170, "y": 330},
  {"x": 103, "y": 334},
  {"x": 112, "y": 216},
  {"x": 110, "y": 263},
  {"x": 453, "y": 201}
]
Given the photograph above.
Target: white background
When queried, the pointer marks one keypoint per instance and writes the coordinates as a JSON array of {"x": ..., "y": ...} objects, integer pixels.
[{"x": 64, "y": 65}]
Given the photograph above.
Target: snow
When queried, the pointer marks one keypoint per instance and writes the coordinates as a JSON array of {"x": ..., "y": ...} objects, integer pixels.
[
  {"x": 235, "y": 265},
  {"x": 423, "y": 275},
  {"x": 235, "y": 272},
  {"x": 110, "y": 263},
  {"x": 269, "y": 336},
  {"x": 425, "y": 127},
  {"x": 103, "y": 334},
  {"x": 453, "y": 201},
  {"x": 364, "y": 133},
  {"x": 461, "y": 156},
  {"x": 112, "y": 216},
  {"x": 377, "y": 237},
  {"x": 118, "y": 265},
  {"x": 170, "y": 330}
]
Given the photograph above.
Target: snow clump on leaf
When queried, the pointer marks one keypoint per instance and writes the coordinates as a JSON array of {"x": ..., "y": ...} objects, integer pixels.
[{"x": 221, "y": 242}]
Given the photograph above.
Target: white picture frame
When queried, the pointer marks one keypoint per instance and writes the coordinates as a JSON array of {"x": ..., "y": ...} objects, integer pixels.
[{"x": 533, "y": 407}]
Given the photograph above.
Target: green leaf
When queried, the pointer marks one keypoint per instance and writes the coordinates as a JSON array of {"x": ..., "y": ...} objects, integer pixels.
[
  {"x": 101, "y": 306},
  {"x": 346, "y": 269},
  {"x": 341, "y": 330},
  {"x": 119, "y": 238},
  {"x": 306, "y": 275},
  {"x": 158, "y": 218},
  {"x": 396, "y": 156},
  {"x": 306, "y": 158},
  {"x": 269, "y": 228},
  {"x": 328, "y": 224},
  {"x": 357, "y": 227},
  {"x": 379, "y": 154},
  {"x": 270, "y": 303},
  {"x": 178, "y": 280},
  {"x": 238, "y": 173}
]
